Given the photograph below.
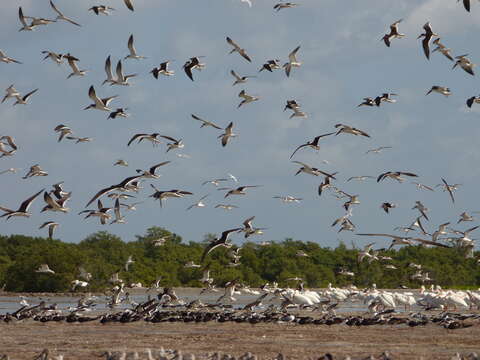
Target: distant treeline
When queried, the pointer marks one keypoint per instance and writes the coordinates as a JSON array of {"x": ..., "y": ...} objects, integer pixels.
[{"x": 103, "y": 254}]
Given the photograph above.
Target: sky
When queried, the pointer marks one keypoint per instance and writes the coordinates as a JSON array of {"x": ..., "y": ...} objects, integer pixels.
[{"x": 343, "y": 61}]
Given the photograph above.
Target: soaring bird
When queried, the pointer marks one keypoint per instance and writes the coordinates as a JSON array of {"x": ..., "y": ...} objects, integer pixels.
[
  {"x": 246, "y": 98},
  {"x": 284, "y": 5},
  {"x": 163, "y": 70},
  {"x": 160, "y": 195},
  {"x": 464, "y": 63},
  {"x": 61, "y": 16},
  {"x": 150, "y": 137},
  {"x": 205, "y": 122},
  {"x": 101, "y": 9},
  {"x": 440, "y": 89},
  {"x": 397, "y": 175},
  {"x": 238, "y": 49},
  {"x": 221, "y": 241},
  {"x": 239, "y": 79},
  {"x": 313, "y": 143},
  {"x": 240, "y": 190},
  {"x": 23, "y": 209},
  {"x": 22, "y": 100},
  {"x": 125, "y": 185},
  {"x": 342, "y": 128}
]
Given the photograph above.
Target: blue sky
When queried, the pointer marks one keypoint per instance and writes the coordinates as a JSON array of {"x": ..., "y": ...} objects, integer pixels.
[{"x": 343, "y": 61}]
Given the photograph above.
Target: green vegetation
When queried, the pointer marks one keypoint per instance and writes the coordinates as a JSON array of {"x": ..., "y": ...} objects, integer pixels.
[{"x": 103, "y": 254}]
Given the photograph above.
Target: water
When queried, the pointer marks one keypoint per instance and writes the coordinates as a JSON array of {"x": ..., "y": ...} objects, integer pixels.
[{"x": 12, "y": 303}]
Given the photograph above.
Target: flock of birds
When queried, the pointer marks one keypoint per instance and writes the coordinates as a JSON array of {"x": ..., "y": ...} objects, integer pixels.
[{"x": 56, "y": 198}]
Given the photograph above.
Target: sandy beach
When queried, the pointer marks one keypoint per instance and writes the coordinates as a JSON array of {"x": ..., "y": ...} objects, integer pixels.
[{"x": 89, "y": 340}]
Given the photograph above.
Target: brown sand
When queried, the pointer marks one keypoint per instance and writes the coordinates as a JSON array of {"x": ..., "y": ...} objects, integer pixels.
[{"x": 88, "y": 340}]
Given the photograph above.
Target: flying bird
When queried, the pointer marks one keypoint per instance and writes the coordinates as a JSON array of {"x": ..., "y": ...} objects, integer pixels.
[
  {"x": 101, "y": 9},
  {"x": 205, "y": 122},
  {"x": 131, "y": 47},
  {"x": 284, "y": 5},
  {"x": 125, "y": 185},
  {"x": 443, "y": 49},
  {"x": 163, "y": 70},
  {"x": 227, "y": 134},
  {"x": 240, "y": 79},
  {"x": 238, "y": 49},
  {"x": 150, "y": 137},
  {"x": 292, "y": 61},
  {"x": 440, "y": 89},
  {"x": 397, "y": 175},
  {"x": 240, "y": 190},
  {"x": 393, "y": 34},
  {"x": 464, "y": 63},
  {"x": 221, "y": 241},
  {"x": 72, "y": 62},
  {"x": 23, "y": 100},
  {"x": 312, "y": 144},
  {"x": 129, "y": 4},
  {"x": 52, "y": 225},
  {"x": 246, "y": 98},
  {"x": 61, "y": 16},
  {"x": 427, "y": 36},
  {"x": 23, "y": 209},
  {"x": 99, "y": 104},
  {"x": 350, "y": 130},
  {"x": 192, "y": 63}
]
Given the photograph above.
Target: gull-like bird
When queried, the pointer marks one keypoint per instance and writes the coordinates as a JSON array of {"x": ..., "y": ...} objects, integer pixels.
[
  {"x": 61, "y": 16},
  {"x": 163, "y": 70},
  {"x": 404, "y": 240},
  {"x": 246, "y": 98},
  {"x": 238, "y": 49},
  {"x": 393, "y": 34},
  {"x": 440, "y": 89},
  {"x": 102, "y": 213},
  {"x": 226, "y": 206},
  {"x": 346, "y": 129},
  {"x": 396, "y": 175},
  {"x": 133, "y": 53},
  {"x": 119, "y": 112},
  {"x": 288, "y": 198},
  {"x": 175, "y": 144},
  {"x": 443, "y": 49},
  {"x": 63, "y": 131},
  {"x": 422, "y": 186},
  {"x": 386, "y": 206},
  {"x": 44, "y": 268},
  {"x": 205, "y": 122},
  {"x": 442, "y": 230},
  {"x": 129, "y": 261},
  {"x": 427, "y": 36},
  {"x": 377, "y": 150},
  {"x": 312, "y": 144},
  {"x": 270, "y": 65},
  {"x": 193, "y": 63},
  {"x": 52, "y": 225},
  {"x": 449, "y": 188},
  {"x": 119, "y": 219},
  {"x": 214, "y": 182},
  {"x": 221, "y": 241},
  {"x": 10, "y": 143},
  {"x": 121, "y": 162},
  {"x": 150, "y": 174},
  {"x": 56, "y": 203},
  {"x": 129, "y": 4},
  {"x": 121, "y": 78},
  {"x": 385, "y": 97},
  {"x": 325, "y": 185},
  {"x": 108, "y": 71},
  {"x": 72, "y": 62},
  {"x": 22, "y": 18},
  {"x": 311, "y": 170},
  {"x": 99, "y": 104},
  {"x": 22, "y": 210},
  {"x": 150, "y": 137},
  {"x": 360, "y": 178},
  {"x": 368, "y": 101},
  {"x": 464, "y": 63},
  {"x": 125, "y": 185},
  {"x": 199, "y": 203},
  {"x": 292, "y": 61},
  {"x": 35, "y": 170},
  {"x": 56, "y": 58},
  {"x": 10, "y": 92},
  {"x": 464, "y": 216},
  {"x": 234, "y": 178},
  {"x": 160, "y": 195},
  {"x": 227, "y": 134},
  {"x": 420, "y": 207},
  {"x": 472, "y": 100},
  {"x": 23, "y": 100},
  {"x": 240, "y": 190},
  {"x": 250, "y": 230},
  {"x": 101, "y": 9},
  {"x": 79, "y": 139},
  {"x": 284, "y": 5},
  {"x": 239, "y": 79}
]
